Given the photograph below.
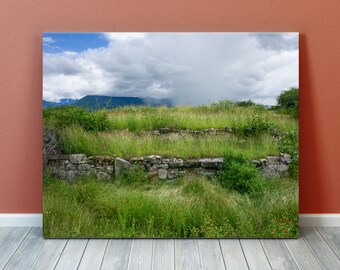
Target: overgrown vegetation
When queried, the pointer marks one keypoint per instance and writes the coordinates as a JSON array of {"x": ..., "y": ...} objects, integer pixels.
[
  {"x": 240, "y": 175},
  {"x": 288, "y": 102},
  {"x": 191, "y": 207},
  {"x": 61, "y": 117},
  {"x": 129, "y": 144},
  {"x": 235, "y": 203}
]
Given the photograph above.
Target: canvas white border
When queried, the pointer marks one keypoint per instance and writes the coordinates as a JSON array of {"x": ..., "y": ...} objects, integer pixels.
[{"x": 35, "y": 220}]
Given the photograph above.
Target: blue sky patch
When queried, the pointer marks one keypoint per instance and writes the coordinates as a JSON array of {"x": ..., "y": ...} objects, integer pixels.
[{"x": 75, "y": 42}]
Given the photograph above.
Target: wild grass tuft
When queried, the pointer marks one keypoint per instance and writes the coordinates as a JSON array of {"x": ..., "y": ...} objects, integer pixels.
[{"x": 191, "y": 207}]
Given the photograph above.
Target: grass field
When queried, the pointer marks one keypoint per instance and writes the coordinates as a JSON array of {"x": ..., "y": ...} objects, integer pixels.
[{"x": 192, "y": 206}]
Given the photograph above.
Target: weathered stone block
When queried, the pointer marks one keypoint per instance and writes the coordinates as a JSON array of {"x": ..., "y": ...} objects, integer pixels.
[
  {"x": 162, "y": 166},
  {"x": 162, "y": 174},
  {"x": 172, "y": 173},
  {"x": 84, "y": 167},
  {"x": 78, "y": 158},
  {"x": 153, "y": 159},
  {"x": 175, "y": 162},
  {"x": 122, "y": 166},
  {"x": 102, "y": 159},
  {"x": 192, "y": 163},
  {"x": 211, "y": 162},
  {"x": 273, "y": 160},
  {"x": 286, "y": 158},
  {"x": 103, "y": 176}
]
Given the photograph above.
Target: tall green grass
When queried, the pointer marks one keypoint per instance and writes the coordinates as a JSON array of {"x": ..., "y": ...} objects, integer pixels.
[
  {"x": 190, "y": 207},
  {"x": 191, "y": 117},
  {"x": 128, "y": 144}
]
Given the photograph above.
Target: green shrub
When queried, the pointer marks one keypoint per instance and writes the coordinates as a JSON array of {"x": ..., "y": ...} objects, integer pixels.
[
  {"x": 256, "y": 125},
  {"x": 288, "y": 101},
  {"x": 240, "y": 175},
  {"x": 245, "y": 103},
  {"x": 289, "y": 143},
  {"x": 72, "y": 115}
]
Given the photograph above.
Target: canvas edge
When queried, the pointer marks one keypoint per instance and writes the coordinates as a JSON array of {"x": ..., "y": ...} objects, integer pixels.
[{"x": 35, "y": 220}]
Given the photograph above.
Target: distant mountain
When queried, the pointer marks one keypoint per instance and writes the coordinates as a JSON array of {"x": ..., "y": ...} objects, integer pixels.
[
  {"x": 107, "y": 102},
  {"x": 62, "y": 102},
  {"x": 100, "y": 102}
]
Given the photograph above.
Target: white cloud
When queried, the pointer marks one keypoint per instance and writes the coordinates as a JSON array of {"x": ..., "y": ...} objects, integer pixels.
[
  {"x": 48, "y": 40},
  {"x": 191, "y": 68}
]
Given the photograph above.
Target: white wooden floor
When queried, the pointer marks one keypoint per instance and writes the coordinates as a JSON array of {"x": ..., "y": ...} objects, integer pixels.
[{"x": 24, "y": 248}]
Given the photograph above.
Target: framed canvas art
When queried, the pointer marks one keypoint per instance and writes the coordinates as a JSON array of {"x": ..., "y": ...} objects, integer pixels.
[{"x": 170, "y": 135}]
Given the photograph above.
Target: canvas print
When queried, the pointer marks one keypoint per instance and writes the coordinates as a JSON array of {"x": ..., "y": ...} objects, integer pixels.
[{"x": 170, "y": 135}]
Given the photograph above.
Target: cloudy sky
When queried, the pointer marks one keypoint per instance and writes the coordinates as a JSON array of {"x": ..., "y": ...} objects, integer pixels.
[{"x": 190, "y": 68}]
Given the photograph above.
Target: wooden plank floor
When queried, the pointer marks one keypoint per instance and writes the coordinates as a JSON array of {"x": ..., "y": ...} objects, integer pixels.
[{"x": 24, "y": 248}]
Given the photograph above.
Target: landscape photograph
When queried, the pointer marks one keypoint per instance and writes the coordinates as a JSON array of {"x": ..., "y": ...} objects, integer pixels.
[{"x": 170, "y": 135}]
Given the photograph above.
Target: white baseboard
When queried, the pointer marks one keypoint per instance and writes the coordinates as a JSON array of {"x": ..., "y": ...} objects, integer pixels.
[
  {"x": 21, "y": 220},
  {"x": 35, "y": 220},
  {"x": 319, "y": 220}
]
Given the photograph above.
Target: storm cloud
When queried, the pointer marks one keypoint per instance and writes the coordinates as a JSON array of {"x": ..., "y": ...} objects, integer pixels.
[{"x": 190, "y": 68}]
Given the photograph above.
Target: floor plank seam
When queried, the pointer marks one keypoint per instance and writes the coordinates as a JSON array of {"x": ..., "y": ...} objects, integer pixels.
[
  {"x": 219, "y": 243},
  {"x": 38, "y": 254},
  {"x": 322, "y": 236},
  {"x": 265, "y": 253},
  {"x": 61, "y": 254},
  {"x": 297, "y": 265},
  {"x": 244, "y": 254},
  {"x": 101, "y": 263},
  {"x": 82, "y": 255},
  {"x": 310, "y": 248},
  {"x": 17, "y": 248}
]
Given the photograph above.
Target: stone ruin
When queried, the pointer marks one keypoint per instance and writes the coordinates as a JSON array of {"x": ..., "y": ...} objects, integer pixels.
[{"x": 69, "y": 167}]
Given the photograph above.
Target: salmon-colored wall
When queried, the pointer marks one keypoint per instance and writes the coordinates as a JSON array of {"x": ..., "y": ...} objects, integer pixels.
[{"x": 22, "y": 23}]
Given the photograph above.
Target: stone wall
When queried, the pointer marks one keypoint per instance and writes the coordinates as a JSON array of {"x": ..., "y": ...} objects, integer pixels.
[{"x": 69, "y": 167}]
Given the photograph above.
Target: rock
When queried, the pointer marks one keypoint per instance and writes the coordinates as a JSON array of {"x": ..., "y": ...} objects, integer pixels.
[
  {"x": 122, "y": 166},
  {"x": 263, "y": 162},
  {"x": 137, "y": 160},
  {"x": 211, "y": 131},
  {"x": 162, "y": 174},
  {"x": 84, "y": 167},
  {"x": 70, "y": 166},
  {"x": 165, "y": 130},
  {"x": 172, "y": 173},
  {"x": 184, "y": 132},
  {"x": 155, "y": 132},
  {"x": 211, "y": 162},
  {"x": 153, "y": 159},
  {"x": 162, "y": 166},
  {"x": 102, "y": 159},
  {"x": 191, "y": 163},
  {"x": 103, "y": 176},
  {"x": 274, "y": 171},
  {"x": 78, "y": 158},
  {"x": 71, "y": 175},
  {"x": 228, "y": 129},
  {"x": 175, "y": 162},
  {"x": 286, "y": 158},
  {"x": 206, "y": 172},
  {"x": 273, "y": 160}
]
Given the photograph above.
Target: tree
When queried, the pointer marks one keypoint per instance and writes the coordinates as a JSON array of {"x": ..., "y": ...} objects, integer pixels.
[{"x": 289, "y": 101}]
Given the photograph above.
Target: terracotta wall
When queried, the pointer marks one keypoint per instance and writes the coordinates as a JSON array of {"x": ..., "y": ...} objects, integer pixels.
[{"x": 21, "y": 25}]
